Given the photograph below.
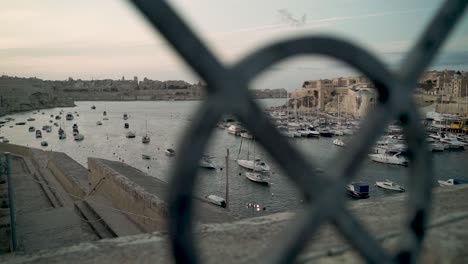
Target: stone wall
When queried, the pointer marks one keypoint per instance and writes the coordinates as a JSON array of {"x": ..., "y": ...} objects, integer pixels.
[
  {"x": 23, "y": 94},
  {"x": 145, "y": 209},
  {"x": 72, "y": 176}
]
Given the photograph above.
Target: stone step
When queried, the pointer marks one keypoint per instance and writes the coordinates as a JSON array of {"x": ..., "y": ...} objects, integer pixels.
[
  {"x": 96, "y": 223},
  {"x": 115, "y": 220}
]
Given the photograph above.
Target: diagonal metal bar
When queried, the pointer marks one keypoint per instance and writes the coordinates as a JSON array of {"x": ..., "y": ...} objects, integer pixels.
[
  {"x": 431, "y": 40},
  {"x": 347, "y": 161},
  {"x": 369, "y": 248},
  {"x": 181, "y": 187},
  {"x": 163, "y": 17},
  {"x": 299, "y": 169},
  {"x": 420, "y": 182}
]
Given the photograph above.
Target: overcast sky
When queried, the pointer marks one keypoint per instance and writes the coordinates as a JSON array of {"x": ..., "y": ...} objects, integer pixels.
[{"x": 55, "y": 39}]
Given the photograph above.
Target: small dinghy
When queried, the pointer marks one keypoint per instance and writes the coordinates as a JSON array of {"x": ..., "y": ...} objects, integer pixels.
[
  {"x": 358, "y": 190},
  {"x": 214, "y": 199},
  {"x": 169, "y": 152}
]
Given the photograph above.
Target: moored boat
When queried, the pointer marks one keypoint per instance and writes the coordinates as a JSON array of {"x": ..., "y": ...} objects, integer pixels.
[
  {"x": 389, "y": 157},
  {"x": 389, "y": 185},
  {"x": 338, "y": 142},
  {"x": 451, "y": 182},
  {"x": 130, "y": 134},
  {"x": 258, "y": 177},
  {"x": 169, "y": 152},
  {"x": 214, "y": 199},
  {"x": 358, "y": 190},
  {"x": 255, "y": 165},
  {"x": 78, "y": 137},
  {"x": 207, "y": 162}
]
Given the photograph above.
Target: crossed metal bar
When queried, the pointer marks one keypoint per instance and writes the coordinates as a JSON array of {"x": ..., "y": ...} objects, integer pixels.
[{"x": 227, "y": 92}]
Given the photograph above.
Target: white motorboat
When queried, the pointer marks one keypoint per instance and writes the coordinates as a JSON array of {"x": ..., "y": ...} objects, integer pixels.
[
  {"x": 453, "y": 143},
  {"x": 258, "y": 177},
  {"x": 451, "y": 182},
  {"x": 312, "y": 132},
  {"x": 234, "y": 129},
  {"x": 99, "y": 123},
  {"x": 338, "y": 142},
  {"x": 390, "y": 158},
  {"x": 207, "y": 162},
  {"x": 214, "y": 199},
  {"x": 48, "y": 129},
  {"x": 130, "y": 134},
  {"x": 255, "y": 165},
  {"x": 389, "y": 185},
  {"x": 338, "y": 133},
  {"x": 69, "y": 116},
  {"x": 78, "y": 137},
  {"x": 169, "y": 152}
]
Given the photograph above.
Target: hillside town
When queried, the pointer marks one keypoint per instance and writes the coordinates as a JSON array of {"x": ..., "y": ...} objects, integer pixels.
[{"x": 354, "y": 96}]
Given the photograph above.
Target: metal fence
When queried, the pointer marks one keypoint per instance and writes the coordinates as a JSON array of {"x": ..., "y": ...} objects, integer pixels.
[{"x": 227, "y": 92}]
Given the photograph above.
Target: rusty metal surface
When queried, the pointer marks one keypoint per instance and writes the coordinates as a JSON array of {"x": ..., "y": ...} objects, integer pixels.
[{"x": 228, "y": 93}]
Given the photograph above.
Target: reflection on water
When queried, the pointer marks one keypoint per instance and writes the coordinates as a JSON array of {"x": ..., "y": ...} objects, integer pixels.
[{"x": 166, "y": 122}]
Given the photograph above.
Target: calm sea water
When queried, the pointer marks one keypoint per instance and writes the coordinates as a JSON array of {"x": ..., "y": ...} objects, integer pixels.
[{"x": 166, "y": 122}]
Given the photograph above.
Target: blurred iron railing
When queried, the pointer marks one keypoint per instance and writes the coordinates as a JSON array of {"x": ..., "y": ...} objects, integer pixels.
[
  {"x": 5, "y": 176},
  {"x": 227, "y": 92}
]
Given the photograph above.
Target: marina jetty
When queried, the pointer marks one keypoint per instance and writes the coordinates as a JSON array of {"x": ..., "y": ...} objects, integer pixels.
[{"x": 112, "y": 212}]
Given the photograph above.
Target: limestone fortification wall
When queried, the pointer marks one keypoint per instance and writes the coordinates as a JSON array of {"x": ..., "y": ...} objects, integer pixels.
[
  {"x": 145, "y": 209},
  {"x": 72, "y": 176}
]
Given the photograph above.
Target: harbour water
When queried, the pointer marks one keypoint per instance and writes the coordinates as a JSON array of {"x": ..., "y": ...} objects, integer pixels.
[{"x": 166, "y": 123}]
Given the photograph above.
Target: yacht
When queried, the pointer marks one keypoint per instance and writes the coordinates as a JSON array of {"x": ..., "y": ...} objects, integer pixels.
[
  {"x": 69, "y": 116},
  {"x": 451, "y": 182},
  {"x": 207, "y": 162},
  {"x": 169, "y": 152},
  {"x": 389, "y": 185},
  {"x": 453, "y": 143},
  {"x": 358, "y": 190},
  {"x": 390, "y": 158},
  {"x": 338, "y": 142},
  {"x": 258, "y": 177},
  {"x": 437, "y": 147},
  {"x": 130, "y": 134},
  {"x": 255, "y": 165},
  {"x": 78, "y": 137}
]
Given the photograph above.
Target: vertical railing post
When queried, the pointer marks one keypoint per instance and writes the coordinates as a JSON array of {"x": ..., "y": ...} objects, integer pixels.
[{"x": 11, "y": 203}]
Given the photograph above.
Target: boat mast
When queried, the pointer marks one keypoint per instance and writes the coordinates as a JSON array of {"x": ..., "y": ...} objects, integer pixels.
[{"x": 227, "y": 179}]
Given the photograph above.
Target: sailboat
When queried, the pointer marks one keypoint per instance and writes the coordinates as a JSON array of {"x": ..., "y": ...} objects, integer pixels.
[
  {"x": 61, "y": 131},
  {"x": 255, "y": 165},
  {"x": 146, "y": 139}
]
